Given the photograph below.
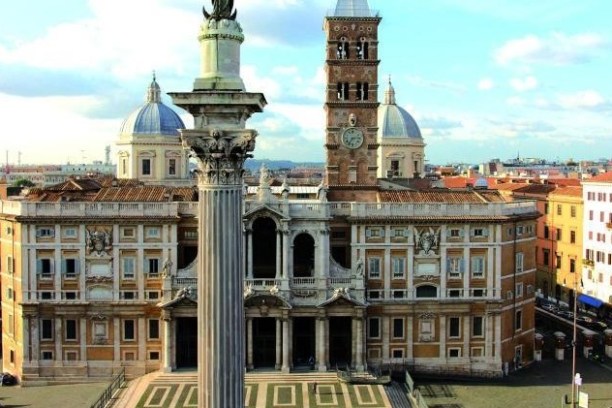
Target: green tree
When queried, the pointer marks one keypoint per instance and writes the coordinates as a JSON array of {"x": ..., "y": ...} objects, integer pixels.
[{"x": 22, "y": 182}]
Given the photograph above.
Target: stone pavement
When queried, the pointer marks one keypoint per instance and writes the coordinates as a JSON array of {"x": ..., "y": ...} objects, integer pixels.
[
  {"x": 178, "y": 390},
  {"x": 540, "y": 385}
]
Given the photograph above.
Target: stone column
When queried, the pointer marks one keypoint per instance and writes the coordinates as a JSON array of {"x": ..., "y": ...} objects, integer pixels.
[
  {"x": 279, "y": 349},
  {"x": 321, "y": 344},
  {"x": 166, "y": 316},
  {"x": 250, "y": 343},
  {"x": 285, "y": 368},
  {"x": 221, "y": 144},
  {"x": 359, "y": 366},
  {"x": 278, "y": 255},
  {"x": 559, "y": 346},
  {"x": 539, "y": 342},
  {"x": 250, "y": 254},
  {"x": 608, "y": 340}
]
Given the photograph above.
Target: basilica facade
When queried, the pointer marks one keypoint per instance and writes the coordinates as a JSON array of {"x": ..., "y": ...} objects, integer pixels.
[{"x": 361, "y": 271}]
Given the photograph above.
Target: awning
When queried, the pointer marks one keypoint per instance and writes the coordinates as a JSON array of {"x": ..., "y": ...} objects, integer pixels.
[{"x": 590, "y": 300}]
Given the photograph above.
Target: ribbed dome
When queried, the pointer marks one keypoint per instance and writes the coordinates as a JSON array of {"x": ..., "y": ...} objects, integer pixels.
[
  {"x": 153, "y": 118},
  {"x": 394, "y": 121}
]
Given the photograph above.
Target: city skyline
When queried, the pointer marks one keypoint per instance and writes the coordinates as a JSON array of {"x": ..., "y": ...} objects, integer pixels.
[{"x": 482, "y": 81}]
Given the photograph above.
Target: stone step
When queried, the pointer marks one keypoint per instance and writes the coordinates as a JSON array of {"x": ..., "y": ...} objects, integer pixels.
[{"x": 274, "y": 377}]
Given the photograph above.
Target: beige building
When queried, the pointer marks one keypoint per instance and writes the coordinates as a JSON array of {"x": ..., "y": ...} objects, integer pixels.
[{"x": 101, "y": 274}]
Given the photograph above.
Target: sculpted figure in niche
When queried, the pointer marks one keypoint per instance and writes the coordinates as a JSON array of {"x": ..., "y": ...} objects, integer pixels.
[{"x": 222, "y": 10}]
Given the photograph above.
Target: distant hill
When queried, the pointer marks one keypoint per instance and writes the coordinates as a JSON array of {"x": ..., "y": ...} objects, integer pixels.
[{"x": 253, "y": 165}]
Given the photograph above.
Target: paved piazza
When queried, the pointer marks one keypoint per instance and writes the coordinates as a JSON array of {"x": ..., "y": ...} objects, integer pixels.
[{"x": 270, "y": 394}]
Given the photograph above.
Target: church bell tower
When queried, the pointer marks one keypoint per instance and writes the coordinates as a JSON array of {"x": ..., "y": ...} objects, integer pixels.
[{"x": 352, "y": 95}]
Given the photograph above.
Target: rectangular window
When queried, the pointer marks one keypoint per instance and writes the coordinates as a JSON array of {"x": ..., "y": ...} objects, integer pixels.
[
  {"x": 478, "y": 266},
  {"x": 152, "y": 232},
  {"x": 546, "y": 210},
  {"x": 454, "y": 266},
  {"x": 45, "y": 232},
  {"x": 153, "y": 329},
  {"x": 519, "y": 289},
  {"x": 70, "y": 266},
  {"x": 398, "y": 328},
  {"x": 71, "y": 329},
  {"x": 128, "y": 232},
  {"x": 559, "y": 209},
  {"x": 519, "y": 262},
  {"x": 129, "y": 330},
  {"x": 591, "y": 215},
  {"x": 46, "y": 355},
  {"x": 374, "y": 268},
  {"x": 343, "y": 91},
  {"x": 146, "y": 167},
  {"x": 559, "y": 234},
  {"x": 46, "y": 329},
  {"x": 124, "y": 166},
  {"x": 573, "y": 211},
  {"x": 455, "y": 233},
  {"x": 153, "y": 355},
  {"x": 572, "y": 237},
  {"x": 397, "y": 353},
  {"x": 399, "y": 267},
  {"x": 454, "y": 352},
  {"x": 546, "y": 257},
  {"x": 172, "y": 167},
  {"x": 128, "y": 267},
  {"x": 546, "y": 232},
  {"x": 152, "y": 266},
  {"x": 477, "y": 326},
  {"x": 572, "y": 265},
  {"x": 70, "y": 232},
  {"x": 518, "y": 320},
  {"x": 10, "y": 264},
  {"x": 374, "y": 327},
  {"x": 558, "y": 261},
  {"x": 454, "y": 327},
  {"x": 45, "y": 266}
]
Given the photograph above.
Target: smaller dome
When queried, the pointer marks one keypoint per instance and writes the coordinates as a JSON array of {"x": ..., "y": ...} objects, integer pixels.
[
  {"x": 153, "y": 118},
  {"x": 394, "y": 121}
]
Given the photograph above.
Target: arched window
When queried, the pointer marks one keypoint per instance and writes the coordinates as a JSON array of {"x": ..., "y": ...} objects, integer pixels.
[
  {"x": 303, "y": 256},
  {"x": 363, "y": 49},
  {"x": 363, "y": 89},
  {"x": 427, "y": 291},
  {"x": 264, "y": 248},
  {"x": 343, "y": 91},
  {"x": 342, "y": 52}
]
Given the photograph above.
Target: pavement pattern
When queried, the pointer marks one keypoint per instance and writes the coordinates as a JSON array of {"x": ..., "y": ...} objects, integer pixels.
[{"x": 179, "y": 390}]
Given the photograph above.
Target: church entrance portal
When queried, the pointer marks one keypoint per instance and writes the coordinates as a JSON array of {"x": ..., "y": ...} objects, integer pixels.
[
  {"x": 303, "y": 342},
  {"x": 264, "y": 342},
  {"x": 340, "y": 341},
  {"x": 186, "y": 342}
]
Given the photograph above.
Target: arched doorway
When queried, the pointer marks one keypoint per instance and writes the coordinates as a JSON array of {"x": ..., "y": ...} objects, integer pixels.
[
  {"x": 303, "y": 256},
  {"x": 264, "y": 248}
]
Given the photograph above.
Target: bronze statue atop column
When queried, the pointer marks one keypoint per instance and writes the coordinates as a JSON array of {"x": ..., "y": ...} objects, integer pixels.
[{"x": 222, "y": 9}]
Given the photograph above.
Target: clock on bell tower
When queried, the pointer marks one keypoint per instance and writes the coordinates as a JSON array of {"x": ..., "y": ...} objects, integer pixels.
[{"x": 351, "y": 103}]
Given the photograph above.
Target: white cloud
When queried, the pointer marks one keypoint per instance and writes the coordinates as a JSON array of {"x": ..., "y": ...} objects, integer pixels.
[
  {"x": 486, "y": 84},
  {"x": 524, "y": 84},
  {"x": 558, "y": 48},
  {"x": 582, "y": 100}
]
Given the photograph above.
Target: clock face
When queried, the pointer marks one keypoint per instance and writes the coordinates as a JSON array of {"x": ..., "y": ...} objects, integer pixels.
[{"x": 352, "y": 138}]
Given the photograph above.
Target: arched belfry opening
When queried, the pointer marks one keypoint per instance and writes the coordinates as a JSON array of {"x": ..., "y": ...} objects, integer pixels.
[
  {"x": 264, "y": 248},
  {"x": 303, "y": 256}
]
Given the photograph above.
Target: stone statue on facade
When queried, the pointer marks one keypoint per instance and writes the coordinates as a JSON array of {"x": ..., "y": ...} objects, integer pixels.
[{"x": 222, "y": 10}]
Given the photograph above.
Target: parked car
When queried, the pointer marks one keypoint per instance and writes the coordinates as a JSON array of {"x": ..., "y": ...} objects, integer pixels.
[
  {"x": 7, "y": 379},
  {"x": 596, "y": 325},
  {"x": 566, "y": 314},
  {"x": 549, "y": 307}
]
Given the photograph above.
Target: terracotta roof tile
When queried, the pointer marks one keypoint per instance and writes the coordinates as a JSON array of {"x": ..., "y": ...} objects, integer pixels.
[
  {"x": 605, "y": 177},
  {"x": 441, "y": 196},
  {"x": 569, "y": 191}
]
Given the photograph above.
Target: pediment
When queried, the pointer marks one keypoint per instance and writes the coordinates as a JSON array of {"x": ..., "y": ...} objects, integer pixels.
[{"x": 265, "y": 211}]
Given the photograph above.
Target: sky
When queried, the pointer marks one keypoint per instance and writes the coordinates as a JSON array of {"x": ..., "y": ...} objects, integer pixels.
[{"x": 483, "y": 79}]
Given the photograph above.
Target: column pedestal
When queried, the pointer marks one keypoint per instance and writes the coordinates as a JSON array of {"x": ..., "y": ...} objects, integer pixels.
[
  {"x": 559, "y": 346},
  {"x": 608, "y": 340}
]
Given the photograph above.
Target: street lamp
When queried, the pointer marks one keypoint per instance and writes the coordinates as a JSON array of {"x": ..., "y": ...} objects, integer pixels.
[{"x": 576, "y": 380}]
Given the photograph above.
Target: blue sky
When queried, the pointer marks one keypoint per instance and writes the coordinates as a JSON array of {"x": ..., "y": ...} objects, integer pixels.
[{"x": 483, "y": 79}]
